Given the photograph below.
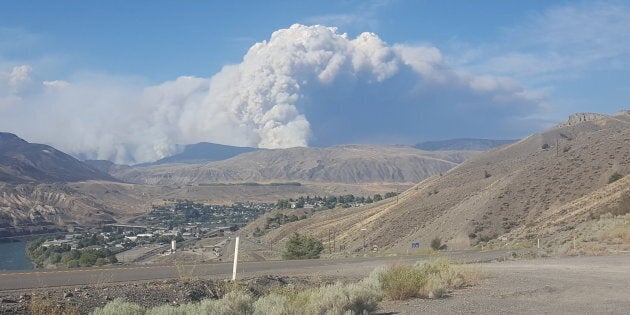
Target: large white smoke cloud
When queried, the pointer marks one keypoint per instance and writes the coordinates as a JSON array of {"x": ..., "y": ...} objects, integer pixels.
[{"x": 307, "y": 84}]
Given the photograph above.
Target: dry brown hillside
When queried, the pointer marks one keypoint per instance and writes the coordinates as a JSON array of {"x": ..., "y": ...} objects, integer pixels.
[
  {"x": 349, "y": 164},
  {"x": 36, "y": 208},
  {"x": 555, "y": 178}
]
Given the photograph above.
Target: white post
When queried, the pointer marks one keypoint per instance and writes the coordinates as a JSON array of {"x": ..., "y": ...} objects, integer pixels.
[
  {"x": 538, "y": 244},
  {"x": 235, "y": 259}
]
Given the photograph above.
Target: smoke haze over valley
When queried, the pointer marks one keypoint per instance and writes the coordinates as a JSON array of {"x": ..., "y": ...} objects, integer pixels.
[{"x": 305, "y": 85}]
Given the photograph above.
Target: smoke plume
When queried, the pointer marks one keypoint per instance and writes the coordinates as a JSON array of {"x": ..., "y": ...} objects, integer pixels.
[{"x": 306, "y": 85}]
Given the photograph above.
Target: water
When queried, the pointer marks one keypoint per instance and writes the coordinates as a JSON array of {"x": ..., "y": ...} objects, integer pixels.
[{"x": 13, "y": 256}]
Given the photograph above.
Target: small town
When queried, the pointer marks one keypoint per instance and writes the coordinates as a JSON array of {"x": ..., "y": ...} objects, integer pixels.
[{"x": 175, "y": 222}]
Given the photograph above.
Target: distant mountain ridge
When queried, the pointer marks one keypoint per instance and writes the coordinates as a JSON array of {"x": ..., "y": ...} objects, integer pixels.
[
  {"x": 24, "y": 162},
  {"x": 351, "y": 164},
  {"x": 202, "y": 152},
  {"x": 462, "y": 144}
]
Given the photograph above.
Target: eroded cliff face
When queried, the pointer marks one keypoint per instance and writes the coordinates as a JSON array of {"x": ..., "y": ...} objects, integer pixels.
[
  {"x": 582, "y": 117},
  {"x": 31, "y": 208}
]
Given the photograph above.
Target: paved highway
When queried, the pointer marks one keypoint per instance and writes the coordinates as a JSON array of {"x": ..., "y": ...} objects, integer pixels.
[{"x": 359, "y": 267}]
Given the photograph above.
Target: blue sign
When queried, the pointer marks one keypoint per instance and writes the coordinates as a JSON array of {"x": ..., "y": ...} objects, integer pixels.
[{"x": 415, "y": 245}]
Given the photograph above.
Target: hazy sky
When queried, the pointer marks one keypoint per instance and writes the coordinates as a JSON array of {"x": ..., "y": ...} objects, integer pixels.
[{"x": 129, "y": 80}]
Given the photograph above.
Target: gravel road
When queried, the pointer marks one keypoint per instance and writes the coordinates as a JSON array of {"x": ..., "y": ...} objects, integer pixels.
[{"x": 570, "y": 285}]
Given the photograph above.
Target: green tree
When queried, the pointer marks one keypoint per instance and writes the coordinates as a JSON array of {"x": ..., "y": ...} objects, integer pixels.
[
  {"x": 390, "y": 194},
  {"x": 55, "y": 258},
  {"x": 378, "y": 198},
  {"x": 302, "y": 247},
  {"x": 72, "y": 263},
  {"x": 436, "y": 243},
  {"x": 112, "y": 259},
  {"x": 87, "y": 259}
]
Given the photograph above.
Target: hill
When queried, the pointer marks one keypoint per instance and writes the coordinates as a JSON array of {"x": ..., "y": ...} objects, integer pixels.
[
  {"x": 203, "y": 152},
  {"x": 544, "y": 186},
  {"x": 466, "y": 144},
  {"x": 106, "y": 166},
  {"x": 24, "y": 162},
  {"x": 41, "y": 207},
  {"x": 350, "y": 164}
]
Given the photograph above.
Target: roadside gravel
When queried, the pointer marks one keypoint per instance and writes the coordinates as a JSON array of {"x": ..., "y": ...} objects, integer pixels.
[{"x": 570, "y": 285}]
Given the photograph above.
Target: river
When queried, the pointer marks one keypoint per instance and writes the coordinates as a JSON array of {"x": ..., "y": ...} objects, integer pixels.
[{"x": 13, "y": 256}]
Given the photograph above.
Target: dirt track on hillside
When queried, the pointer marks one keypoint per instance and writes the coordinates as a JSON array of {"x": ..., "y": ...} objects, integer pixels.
[{"x": 573, "y": 285}]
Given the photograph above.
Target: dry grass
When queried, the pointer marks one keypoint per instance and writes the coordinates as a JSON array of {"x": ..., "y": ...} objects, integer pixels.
[
  {"x": 186, "y": 272},
  {"x": 39, "y": 306},
  {"x": 431, "y": 279},
  {"x": 528, "y": 186},
  {"x": 620, "y": 233}
]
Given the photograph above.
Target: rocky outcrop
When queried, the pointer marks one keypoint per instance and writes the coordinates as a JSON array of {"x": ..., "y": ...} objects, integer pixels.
[
  {"x": 582, "y": 117},
  {"x": 28, "y": 208}
]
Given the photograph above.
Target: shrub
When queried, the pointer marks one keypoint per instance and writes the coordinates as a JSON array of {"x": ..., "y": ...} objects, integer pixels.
[
  {"x": 55, "y": 258},
  {"x": 72, "y": 264},
  {"x": 235, "y": 302},
  {"x": 87, "y": 259},
  {"x": 614, "y": 177},
  {"x": 436, "y": 244},
  {"x": 622, "y": 207},
  {"x": 302, "y": 247},
  {"x": 430, "y": 279},
  {"x": 356, "y": 298},
  {"x": 272, "y": 304},
  {"x": 39, "y": 306},
  {"x": 621, "y": 233},
  {"x": 401, "y": 282},
  {"x": 119, "y": 307}
]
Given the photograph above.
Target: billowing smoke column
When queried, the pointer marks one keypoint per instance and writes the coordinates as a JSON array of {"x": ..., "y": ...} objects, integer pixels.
[{"x": 306, "y": 85}]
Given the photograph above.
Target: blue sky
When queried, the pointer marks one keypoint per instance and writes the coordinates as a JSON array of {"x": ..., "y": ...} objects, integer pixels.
[{"x": 85, "y": 71}]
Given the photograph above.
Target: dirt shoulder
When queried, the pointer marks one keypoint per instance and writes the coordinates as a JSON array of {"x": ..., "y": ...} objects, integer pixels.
[{"x": 571, "y": 285}]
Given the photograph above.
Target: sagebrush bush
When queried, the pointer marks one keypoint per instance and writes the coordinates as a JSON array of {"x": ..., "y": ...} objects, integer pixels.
[
  {"x": 272, "y": 304},
  {"x": 400, "y": 282},
  {"x": 38, "y": 306},
  {"x": 430, "y": 279},
  {"x": 119, "y": 307},
  {"x": 235, "y": 302},
  {"x": 356, "y": 298}
]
